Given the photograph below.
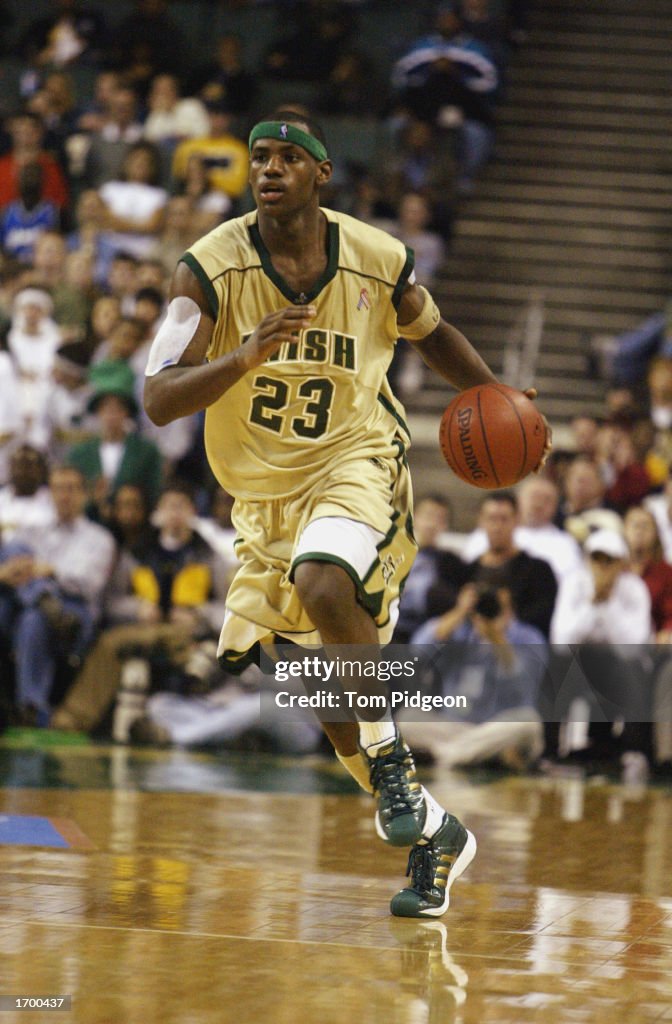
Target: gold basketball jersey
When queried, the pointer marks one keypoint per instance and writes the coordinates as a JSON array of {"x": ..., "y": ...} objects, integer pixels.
[{"x": 324, "y": 397}]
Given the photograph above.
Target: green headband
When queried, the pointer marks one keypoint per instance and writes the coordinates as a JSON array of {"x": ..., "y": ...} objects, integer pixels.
[{"x": 288, "y": 133}]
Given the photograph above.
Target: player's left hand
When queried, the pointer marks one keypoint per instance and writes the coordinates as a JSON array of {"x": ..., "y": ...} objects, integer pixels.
[{"x": 531, "y": 393}]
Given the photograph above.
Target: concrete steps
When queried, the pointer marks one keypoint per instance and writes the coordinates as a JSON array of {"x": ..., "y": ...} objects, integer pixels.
[{"x": 576, "y": 205}]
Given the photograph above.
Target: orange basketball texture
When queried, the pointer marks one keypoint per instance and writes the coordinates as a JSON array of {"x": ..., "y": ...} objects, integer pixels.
[{"x": 492, "y": 436}]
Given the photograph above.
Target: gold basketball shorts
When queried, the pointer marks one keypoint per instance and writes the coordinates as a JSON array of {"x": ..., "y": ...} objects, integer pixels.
[{"x": 357, "y": 515}]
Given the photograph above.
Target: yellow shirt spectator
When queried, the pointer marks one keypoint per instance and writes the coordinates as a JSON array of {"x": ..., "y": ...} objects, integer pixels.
[{"x": 225, "y": 156}]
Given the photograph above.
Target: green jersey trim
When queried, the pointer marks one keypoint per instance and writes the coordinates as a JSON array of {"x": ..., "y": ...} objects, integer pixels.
[
  {"x": 300, "y": 298},
  {"x": 372, "y": 603},
  {"x": 204, "y": 281},
  {"x": 403, "y": 277},
  {"x": 236, "y": 662},
  {"x": 363, "y": 273},
  {"x": 387, "y": 405}
]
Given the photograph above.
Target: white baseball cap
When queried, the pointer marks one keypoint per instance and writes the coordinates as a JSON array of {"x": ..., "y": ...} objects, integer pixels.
[
  {"x": 34, "y": 297},
  {"x": 606, "y": 542}
]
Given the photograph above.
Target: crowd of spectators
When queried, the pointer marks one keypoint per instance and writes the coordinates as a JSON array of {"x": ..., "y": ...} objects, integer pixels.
[
  {"x": 115, "y": 543},
  {"x": 120, "y": 147},
  {"x": 553, "y": 617},
  {"x": 434, "y": 87},
  {"x": 554, "y": 628}
]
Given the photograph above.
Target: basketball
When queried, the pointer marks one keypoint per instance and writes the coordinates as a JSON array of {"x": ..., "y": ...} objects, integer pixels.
[{"x": 492, "y": 436}]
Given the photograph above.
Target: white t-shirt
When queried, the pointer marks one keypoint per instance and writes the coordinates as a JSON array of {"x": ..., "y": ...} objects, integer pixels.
[
  {"x": 34, "y": 353},
  {"x": 658, "y": 507},
  {"x": 26, "y": 512},
  {"x": 10, "y": 416},
  {"x": 111, "y": 454},
  {"x": 214, "y": 202},
  {"x": 623, "y": 620},
  {"x": 551, "y": 543},
  {"x": 24, "y": 394},
  {"x": 135, "y": 202},
  {"x": 187, "y": 120}
]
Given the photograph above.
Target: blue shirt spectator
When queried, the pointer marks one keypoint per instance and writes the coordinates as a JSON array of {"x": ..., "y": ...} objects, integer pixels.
[
  {"x": 472, "y": 57},
  {"x": 495, "y": 665},
  {"x": 28, "y": 217},
  {"x": 469, "y": 665}
]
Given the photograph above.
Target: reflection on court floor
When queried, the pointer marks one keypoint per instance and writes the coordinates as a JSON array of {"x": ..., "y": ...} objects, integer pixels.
[{"x": 201, "y": 889}]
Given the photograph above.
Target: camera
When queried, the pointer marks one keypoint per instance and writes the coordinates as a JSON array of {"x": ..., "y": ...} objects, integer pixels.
[{"x": 488, "y": 604}]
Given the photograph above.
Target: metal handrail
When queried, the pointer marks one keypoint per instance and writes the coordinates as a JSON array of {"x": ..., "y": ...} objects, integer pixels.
[{"x": 523, "y": 343}]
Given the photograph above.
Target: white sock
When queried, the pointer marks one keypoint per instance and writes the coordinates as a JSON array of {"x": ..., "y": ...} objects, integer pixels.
[
  {"x": 374, "y": 735},
  {"x": 435, "y": 815},
  {"x": 358, "y": 768}
]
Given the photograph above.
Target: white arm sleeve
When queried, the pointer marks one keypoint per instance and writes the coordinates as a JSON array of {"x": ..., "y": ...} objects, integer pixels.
[{"x": 174, "y": 334}]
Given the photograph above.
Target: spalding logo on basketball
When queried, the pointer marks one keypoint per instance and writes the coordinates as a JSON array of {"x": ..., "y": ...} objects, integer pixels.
[{"x": 492, "y": 436}]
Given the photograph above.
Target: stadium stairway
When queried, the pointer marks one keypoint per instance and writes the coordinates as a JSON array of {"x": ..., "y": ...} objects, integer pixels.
[{"x": 577, "y": 203}]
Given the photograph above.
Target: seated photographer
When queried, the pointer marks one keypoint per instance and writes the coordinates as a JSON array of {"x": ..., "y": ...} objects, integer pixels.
[
  {"x": 497, "y": 663},
  {"x": 531, "y": 581}
]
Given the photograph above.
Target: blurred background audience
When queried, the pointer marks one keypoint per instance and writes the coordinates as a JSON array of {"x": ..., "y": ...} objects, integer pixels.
[{"x": 123, "y": 140}]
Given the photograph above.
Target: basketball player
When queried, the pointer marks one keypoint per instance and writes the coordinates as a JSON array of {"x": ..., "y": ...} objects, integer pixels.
[{"x": 282, "y": 324}]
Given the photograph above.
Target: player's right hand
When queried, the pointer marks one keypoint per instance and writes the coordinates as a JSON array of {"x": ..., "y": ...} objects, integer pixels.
[
  {"x": 531, "y": 393},
  {"x": 273, "y": 331}
]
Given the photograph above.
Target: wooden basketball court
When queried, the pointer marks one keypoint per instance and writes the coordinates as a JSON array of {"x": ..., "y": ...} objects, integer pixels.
[{"x": 175, "y": 888}]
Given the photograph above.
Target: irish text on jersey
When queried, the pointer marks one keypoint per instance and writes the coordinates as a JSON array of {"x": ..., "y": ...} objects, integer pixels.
[{"x": 314, "y": 345}]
